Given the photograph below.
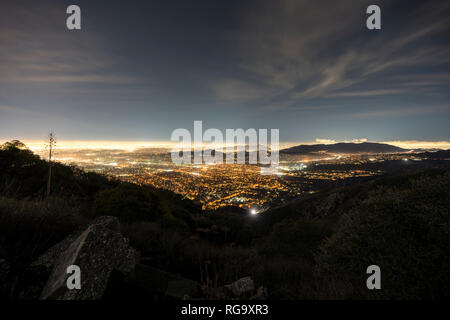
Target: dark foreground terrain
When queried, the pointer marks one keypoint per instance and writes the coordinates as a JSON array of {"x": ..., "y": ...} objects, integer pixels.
[{"x": 162, "y": 246}]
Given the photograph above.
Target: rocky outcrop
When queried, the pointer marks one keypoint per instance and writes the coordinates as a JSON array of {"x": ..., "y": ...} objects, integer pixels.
[
  {"x": 97, "y": 252},
  {"x": 111, "y": 268},
  {"x": 45, "y": 263},
  {"x": 241, "y": 287},
  {"x": 164, "y": 285},
  {"x": 98, "y": 249}
]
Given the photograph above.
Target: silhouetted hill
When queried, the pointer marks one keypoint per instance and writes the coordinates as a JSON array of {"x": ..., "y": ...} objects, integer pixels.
[
  {"x": 438, "y": 155},
  {"x": 365, "y": 147},
  {"x": 23, "y": 175},
  {"x": 371, "y": 223}
]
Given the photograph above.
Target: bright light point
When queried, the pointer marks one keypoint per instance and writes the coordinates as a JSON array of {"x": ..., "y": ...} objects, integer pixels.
[{"x": 253, "y": 211}]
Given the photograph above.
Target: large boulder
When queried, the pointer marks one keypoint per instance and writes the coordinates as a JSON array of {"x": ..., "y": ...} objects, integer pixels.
[
  {"x": 241, "y": 287},
  {"x": 97, "y": 251},
  {"x": 45, "y": 263},
  {"x": 36, "y": 275}
]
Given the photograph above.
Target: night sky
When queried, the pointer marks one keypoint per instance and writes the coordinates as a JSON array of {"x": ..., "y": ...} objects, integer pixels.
[{"x": 140, "y": 69}]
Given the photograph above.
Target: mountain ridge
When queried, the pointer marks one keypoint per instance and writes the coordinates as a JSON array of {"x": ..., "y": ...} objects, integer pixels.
[{"x": 344, "y": 147}]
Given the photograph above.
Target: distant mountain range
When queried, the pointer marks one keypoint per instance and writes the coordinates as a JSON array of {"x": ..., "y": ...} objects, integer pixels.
[
  {"x": 365, "y": 147},
  {"x": 345, "y": 147}
]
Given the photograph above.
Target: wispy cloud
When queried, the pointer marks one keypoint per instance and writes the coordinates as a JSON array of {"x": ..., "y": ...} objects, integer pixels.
[
  {"x": 16, "y": 110},
  {"x": 417, "y": 144},
  {"x": 396, "y": 112},
  {"x": 293, "y": 51},
  {"x": 235, "y": 90},
  {"x": 41, "y": 51},
  {"x": 332, "y": 141},
  {"x": 368, "y": 93},
  {"x": 68, "y": 78}
]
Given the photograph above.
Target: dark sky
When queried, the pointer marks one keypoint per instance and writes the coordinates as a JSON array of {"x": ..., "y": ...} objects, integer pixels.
[{"x": 139, "y": 69}]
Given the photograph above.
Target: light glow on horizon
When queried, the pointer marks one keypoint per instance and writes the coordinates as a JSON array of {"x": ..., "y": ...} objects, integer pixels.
[{"x": 40, "y": 145}]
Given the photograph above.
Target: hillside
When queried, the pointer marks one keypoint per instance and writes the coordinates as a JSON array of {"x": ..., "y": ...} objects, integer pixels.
[
  {"x": 315, "y": 247},
  {"x": 438, "y": 155},
  {"x": 401, "y": 223}
]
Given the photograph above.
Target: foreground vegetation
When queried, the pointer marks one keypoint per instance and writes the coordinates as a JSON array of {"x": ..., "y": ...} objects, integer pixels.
[{"x": 315, "y": 248}]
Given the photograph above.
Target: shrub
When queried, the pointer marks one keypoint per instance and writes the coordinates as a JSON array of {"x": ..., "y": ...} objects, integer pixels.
[
  {"x": 296, "y": 237},
  {"x": 403, "y": 229},
  {"x": 128, "y": 202},
  {"x": 28, "y": 228}
]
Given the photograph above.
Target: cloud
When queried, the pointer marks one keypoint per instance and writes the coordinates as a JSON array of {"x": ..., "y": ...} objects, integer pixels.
[
  {"x": 359, "y": 140},
  {"x": 417, "y": 144},
  {"x": 17, "y": 110},
  {"x": 42, "y": 52},
  {"x": 393, "y": 112},
  {"x": 423, "y": 80},
  {"x": 325, "y": 141},
  {"x": 332, "y": 141},
  {"x": 367, "y": 93},
  {"x": 297, "y": 50},
  {"x": 69, "y": 78},
  {"x": 235, "y": 90}
]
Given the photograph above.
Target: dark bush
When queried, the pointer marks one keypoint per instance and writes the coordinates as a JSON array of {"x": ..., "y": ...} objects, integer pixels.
[
  {"x": 403, "y": 229},
  {"x": 28, "y": 228},
  {"x": 128, "y": 202},
  {"x": 296, "y": 238}
]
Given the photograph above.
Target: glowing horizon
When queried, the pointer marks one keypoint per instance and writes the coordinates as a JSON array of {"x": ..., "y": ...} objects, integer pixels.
[{"x": 127, "y": 145}]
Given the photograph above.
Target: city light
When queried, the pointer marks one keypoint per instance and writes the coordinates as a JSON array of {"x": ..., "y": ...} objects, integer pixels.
[{"x": 227, "y": 185}]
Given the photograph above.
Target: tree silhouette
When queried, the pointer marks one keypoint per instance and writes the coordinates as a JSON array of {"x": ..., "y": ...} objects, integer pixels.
[
  {"x": 51, "y": 144},
  {"x": 14, "y": 144}
]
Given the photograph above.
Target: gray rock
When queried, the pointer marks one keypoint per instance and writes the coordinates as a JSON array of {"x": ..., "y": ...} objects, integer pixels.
[
  {"x": 241, "y": 286},
  {"x": 109, "y": 222},
  {"x": 45, "y": 263},
  {"x": 97, "y": 251}
]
